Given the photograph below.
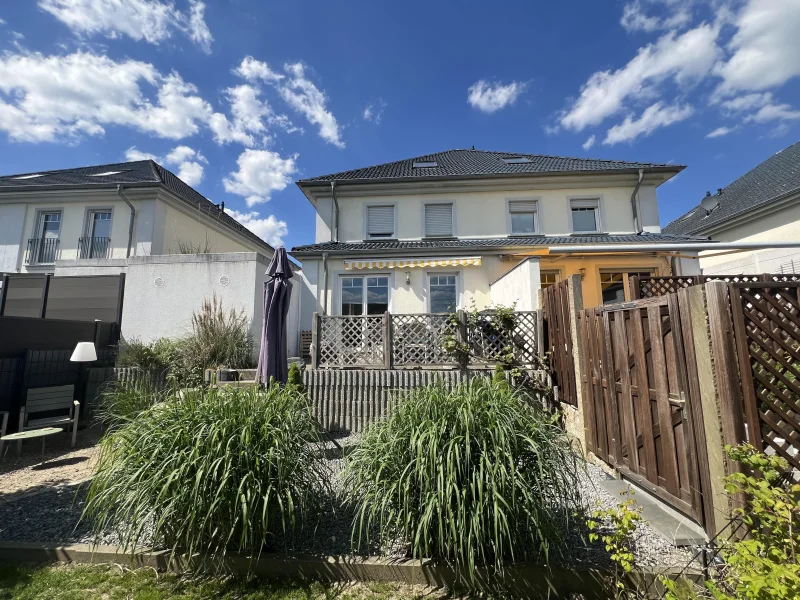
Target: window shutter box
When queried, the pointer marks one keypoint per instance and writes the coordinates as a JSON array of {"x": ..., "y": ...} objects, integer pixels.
[
  {"x": 584, "y": 203},
  {"x": 380, "y": 221},
  {"x": 438, "y": 220},
  {"x": 522, "y": 206}
]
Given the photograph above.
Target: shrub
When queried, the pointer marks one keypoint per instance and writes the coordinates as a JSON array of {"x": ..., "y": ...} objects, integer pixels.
[
  {"x": 119, "y": 402},
  {"x": 295, "y": 378},
  {"x": 209, "y": 470},
  {"x": 471, "y": 476},
  {"x": 135, "y": 353}
]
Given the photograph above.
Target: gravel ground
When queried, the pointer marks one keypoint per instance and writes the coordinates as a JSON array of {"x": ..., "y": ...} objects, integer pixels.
[
  {"x": 26, "y": 473},
  {"x": 54, "y": 514}
]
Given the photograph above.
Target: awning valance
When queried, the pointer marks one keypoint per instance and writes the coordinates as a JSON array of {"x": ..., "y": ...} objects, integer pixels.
[{"x": 409, "y": 263}]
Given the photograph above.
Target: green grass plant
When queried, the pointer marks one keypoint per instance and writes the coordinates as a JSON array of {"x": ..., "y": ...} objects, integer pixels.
[
  {"x": 209, "y": 471},
  {"x": 472, "y": 476}
]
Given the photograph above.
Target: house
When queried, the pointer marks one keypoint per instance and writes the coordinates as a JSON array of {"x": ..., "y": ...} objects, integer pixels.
[
  {"x": 174, "y": 246},
  {"x": 444, "y": 230},
  {"x": 763, "y": 205}
]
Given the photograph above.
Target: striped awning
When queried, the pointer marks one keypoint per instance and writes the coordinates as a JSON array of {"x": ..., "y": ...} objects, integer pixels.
[{"x": 408, "y": 263}]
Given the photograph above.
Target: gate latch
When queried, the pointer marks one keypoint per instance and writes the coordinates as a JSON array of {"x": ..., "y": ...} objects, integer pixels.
[{"x": 683, "y": 405}]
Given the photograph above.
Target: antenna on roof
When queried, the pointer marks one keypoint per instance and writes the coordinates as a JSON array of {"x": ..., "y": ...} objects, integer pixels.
[
  {"x": 709, "y": 203},
  {"x": 473, "y": 146}
]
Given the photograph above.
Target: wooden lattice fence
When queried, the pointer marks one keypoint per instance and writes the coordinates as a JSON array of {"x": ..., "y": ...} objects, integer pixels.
[
  {"x": 652, "y": 287},
  {"x": 766, "y": 317},
  {"x": 419, "y": 340}
]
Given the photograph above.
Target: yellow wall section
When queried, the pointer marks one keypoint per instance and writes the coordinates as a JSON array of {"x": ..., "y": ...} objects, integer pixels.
[{"x": 180, "y": 227}]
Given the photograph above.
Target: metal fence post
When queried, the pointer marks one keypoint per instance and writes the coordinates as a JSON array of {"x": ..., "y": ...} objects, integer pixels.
[
  {"x": 387, "y": 340},
  {"x": 463, "y": 337},
  {"x": 315, "y": 341}
]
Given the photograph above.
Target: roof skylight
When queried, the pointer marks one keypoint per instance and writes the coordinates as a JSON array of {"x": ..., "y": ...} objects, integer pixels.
[
  {"x": 104, "y": 174},
  {"x": 33, "y": 176},
  {"x": 516, "y": 160},
  {"x": 425, "y": 163}
]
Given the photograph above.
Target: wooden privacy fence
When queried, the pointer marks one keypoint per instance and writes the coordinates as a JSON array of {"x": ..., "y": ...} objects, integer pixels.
[
  {"x": 639, "y": 375},
  {"x": 650, "y": 287},
  {"x": 349, "y": 400},
  {"x": 766, "y": 318},
  {"x": 390, "y": 341},
  {"x": 557, "y": 315}
]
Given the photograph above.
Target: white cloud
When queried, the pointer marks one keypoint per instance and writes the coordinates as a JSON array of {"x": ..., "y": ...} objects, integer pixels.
[
  {"x": 271, "y": 230},
  {"x": 47, "y": 98},
  {"x": 260, "y": 173},
  {"x": 747, "y": 102},
  {"x": 489, "y": 98},
  {"x": 720, "y": 131},
  {"x": 765, "y": 47},
  {"x": 654, "y": 117},
  {"x": 302, "y": 95},
  {"x": 684, "y": 58},
  {"x": 634, "y": 18},
  {"x": 132, "y": 154},
  {"x": 774, "y": 112},
  {"x": 251, "y": 115},
  {"x": 374, "y": 112},
  {"x": 185, "y": 158},
  {"x": 150, "y": 20},
  {"x": 299, "y": 92},
  {"x": 589, "y": 143}
]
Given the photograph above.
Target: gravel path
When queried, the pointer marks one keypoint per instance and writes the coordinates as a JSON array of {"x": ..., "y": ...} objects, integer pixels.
[{"x": 53, "y": 515}]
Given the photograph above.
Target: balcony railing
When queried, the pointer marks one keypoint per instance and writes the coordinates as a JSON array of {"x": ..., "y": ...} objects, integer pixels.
[
  {"x": 94, "y": 247},
  {"x": 42, "y": 251}
]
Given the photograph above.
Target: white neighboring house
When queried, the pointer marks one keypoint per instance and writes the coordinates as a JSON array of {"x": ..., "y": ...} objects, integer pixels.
[
  {"x": 437, "y": 232},
  {"x": 763, "y": 205},
  {"x": 175, "y": 246}
]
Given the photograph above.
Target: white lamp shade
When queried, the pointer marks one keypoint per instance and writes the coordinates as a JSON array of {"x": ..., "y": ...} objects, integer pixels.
[{"x": 84, "y": 352}]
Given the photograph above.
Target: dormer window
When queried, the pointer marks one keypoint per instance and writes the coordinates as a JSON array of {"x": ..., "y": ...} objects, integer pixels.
[
  {"x": 425, "y": 164},
  {"x": 380, "y": 221},
  {"x": 516, "y": 160}
]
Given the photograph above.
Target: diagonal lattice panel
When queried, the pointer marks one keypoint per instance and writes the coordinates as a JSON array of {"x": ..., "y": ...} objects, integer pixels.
[
  {"x": 419, "y": 339},
  {"x": 489, "y": 341},
  {"x": 650, "y": 287},
  {"x": 351, "y": 341}
]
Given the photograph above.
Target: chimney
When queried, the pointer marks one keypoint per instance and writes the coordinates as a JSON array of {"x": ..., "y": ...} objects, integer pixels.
[{"x": 719, "y": 191}]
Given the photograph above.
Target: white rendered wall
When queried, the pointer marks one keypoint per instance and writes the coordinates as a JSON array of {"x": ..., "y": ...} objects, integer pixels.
[
  {"x": 12, "y": 217},
  {"x": 519, "y": 287}
]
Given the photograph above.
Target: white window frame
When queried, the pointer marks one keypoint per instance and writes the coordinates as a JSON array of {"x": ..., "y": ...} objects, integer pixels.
[
  {"x": 38, "y": 231},
  {"x": 459, "y": 287},
  {"x": 337, "y": 295},
  {"x": 88, "y": 220},
  {"x": 595, "y": 202},
  {"x": 367, "y": 206},
  {"x": 537, "y": 227},
  {"x": 452, "y": 219}
]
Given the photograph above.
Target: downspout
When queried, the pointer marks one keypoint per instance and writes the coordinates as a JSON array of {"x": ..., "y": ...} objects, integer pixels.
[
  {"x": 336, "y": 213},
  {"x": 324, "y": 283},
  {"x": 133, "y": 219},
  {"x": 636, "y": 225}
]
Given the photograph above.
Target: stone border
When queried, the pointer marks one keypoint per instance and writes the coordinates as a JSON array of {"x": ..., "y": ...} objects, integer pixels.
[{"x": 526, "y": 580}]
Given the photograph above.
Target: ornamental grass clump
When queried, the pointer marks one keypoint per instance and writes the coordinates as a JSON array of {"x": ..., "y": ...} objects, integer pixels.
[
  {"x": 210, "y": 471},
  {"x": 472, "y": 476}
]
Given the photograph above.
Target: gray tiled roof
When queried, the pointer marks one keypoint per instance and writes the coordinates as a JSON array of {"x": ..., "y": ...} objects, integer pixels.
[
  {"x": 471, "y": 163},
  {"x": 141, "y": 173},
  {"x": 774, "y": 178},
  {"x": 489, "y": 243}
]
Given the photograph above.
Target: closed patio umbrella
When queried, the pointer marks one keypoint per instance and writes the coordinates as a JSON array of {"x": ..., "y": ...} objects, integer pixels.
[{"x": 272, "y": 360}]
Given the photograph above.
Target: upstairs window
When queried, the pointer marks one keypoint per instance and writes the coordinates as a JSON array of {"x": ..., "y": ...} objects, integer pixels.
[
  {"x": 438, "y": 220},
  {"x": 380, "y": 222},
  {"x": 585, "y": 215},
  {"x": 522, "y": 215}
]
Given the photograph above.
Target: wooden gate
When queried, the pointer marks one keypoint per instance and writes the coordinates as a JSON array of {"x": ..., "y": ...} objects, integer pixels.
[
  {"x": 637, "y": 393},
  {"x": 766, "y": 318},
  {"x": 559, "y": 341}
]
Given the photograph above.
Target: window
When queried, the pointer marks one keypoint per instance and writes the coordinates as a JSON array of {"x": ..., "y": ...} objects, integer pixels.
[
  {"x": 32, "y": 176},
  {"x": 423, "y": 164},
  {"x": 104, "y": 174},
  {"x": 585, "y": 215},
  {"x": 97, "y": 241},
  {"x": 44, "y": 247},
  {"x": 380, "y": 221},
  {"x": 365, "y": 295},
  {"x": 438, "y": 220},
  {"x": 516, "y": 160},
  {"x": 616, "y": 285},
  {"x": 99, "y": 224},
  {"x": 522, "y": 214},
  {"x": 443, "y": 293},
  {"x": 548, "y": 278}
]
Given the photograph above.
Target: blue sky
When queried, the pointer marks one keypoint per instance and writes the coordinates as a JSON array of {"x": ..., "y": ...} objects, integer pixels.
[{"x": 242, "y": 98}]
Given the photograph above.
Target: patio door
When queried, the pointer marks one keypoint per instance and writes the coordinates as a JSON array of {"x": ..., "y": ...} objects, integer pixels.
[{"x": 47, "y": 237}]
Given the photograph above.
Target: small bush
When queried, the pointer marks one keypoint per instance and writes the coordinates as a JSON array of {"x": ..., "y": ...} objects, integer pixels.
[
  {"x": 472, "y": 476},
  {"x": 209, "y": 471},
  {"x": 295, "y": 378},
  {"x": 119, "y": 402}
]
